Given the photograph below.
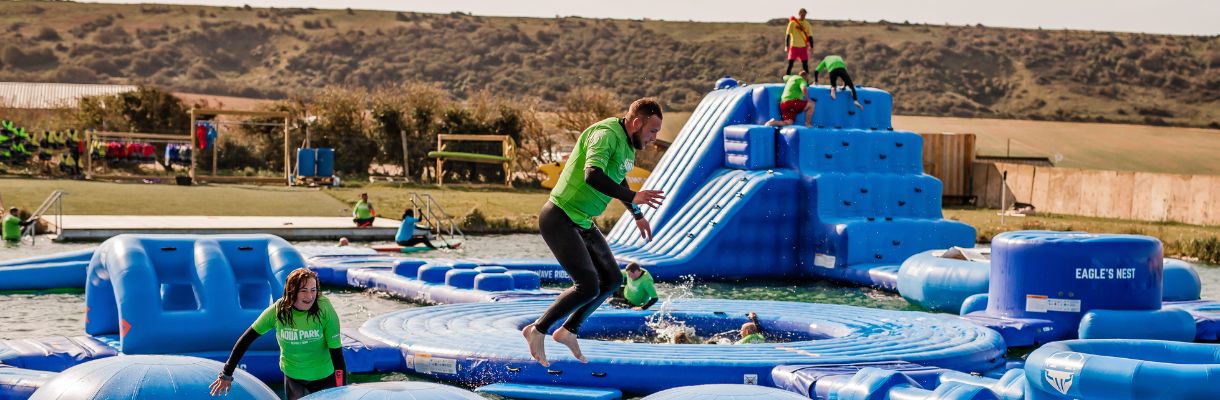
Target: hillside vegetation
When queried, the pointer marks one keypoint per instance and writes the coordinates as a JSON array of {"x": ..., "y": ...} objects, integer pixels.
[{"x": 932, "y": 70}]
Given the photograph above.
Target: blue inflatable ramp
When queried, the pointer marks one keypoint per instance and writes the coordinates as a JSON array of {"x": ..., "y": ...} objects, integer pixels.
[
  {"x": 548, "y": 392},
  {"x": 816, "y": 381},
  {"x": 55, "y": 271},
  {"x": 20, "y": 384},
  {"x": 53, "y": 353},
  {"x": 445, "y": 284}
]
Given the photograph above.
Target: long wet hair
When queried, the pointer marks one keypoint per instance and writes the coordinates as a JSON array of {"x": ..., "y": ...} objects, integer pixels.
[{"x": 296, "y": 280}]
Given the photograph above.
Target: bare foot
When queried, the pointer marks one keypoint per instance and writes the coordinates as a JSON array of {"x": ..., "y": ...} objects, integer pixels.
[
  {"x": 832, "y": 94},
  {"x": 858, "y": 105},
  {"x": 562, "y": 335},
  {"x": 773, "y": 122},
  {"x": 808, "y": 125},
  {"x": 535, "y": 340}
]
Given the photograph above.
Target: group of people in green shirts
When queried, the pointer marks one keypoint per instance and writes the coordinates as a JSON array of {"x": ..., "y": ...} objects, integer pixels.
[
  {"x": 307, "y": 327},
  {"x": 795, "y": 98}
]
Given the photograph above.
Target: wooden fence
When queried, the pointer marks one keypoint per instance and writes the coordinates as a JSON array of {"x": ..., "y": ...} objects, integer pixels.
[
  {"x": 949, "y": 157},
  {"x": 1140, "y": 196}
]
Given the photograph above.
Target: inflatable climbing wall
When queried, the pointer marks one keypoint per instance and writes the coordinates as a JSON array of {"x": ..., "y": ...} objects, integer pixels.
[{"x": 845, "y": 198}]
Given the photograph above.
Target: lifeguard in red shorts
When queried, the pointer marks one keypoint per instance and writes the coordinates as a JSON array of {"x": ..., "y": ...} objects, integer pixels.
[
  {"x": 794, "y": 100},
  {"x": 798, "y": 40}
]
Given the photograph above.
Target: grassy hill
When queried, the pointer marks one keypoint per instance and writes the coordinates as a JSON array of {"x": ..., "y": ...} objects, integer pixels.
[{"x": 932, "y": 70}]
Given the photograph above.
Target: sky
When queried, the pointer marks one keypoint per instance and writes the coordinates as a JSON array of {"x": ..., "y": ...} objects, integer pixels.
[{"x": 1181, "y": 17}]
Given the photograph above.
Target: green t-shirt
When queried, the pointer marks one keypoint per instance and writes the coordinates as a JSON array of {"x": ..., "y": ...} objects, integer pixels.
[
  {"x": 793, "y": 85},
  {"x": 830, "y": 63},
  {"x": 363, "y": 210},
  {"x": 12, "y": 228},
  {"x": 305, "y": 345},
  {"x": 639, "y": 291},
  {"x": 752, "y": 339},
  {"x": 603, "y": 145}
]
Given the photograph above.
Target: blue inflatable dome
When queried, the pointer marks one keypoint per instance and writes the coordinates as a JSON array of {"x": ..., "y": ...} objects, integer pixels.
[
  {"x": 724, "y": 392},
  {"x": 394, "y": 390},
  {"x": 148, "y": 377}
]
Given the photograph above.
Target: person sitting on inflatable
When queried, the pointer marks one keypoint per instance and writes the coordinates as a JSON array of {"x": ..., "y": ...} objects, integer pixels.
[
  {"x": 363, "y": 213},
  {"x": 751, "y": 332},
  {"x": 307, "y": 330},
  {"x": 637, "y": 291},
  {"x": 406, "y": 232}
]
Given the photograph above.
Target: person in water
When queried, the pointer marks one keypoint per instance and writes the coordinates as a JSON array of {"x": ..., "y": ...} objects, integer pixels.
[
  {"x": 595, "y": 173},
  {"x": 836, "y": 69},
  {"x": 751, "y": 332},
  {"x": 307, "y": 330},
  {"x": 363, "y": 213},
  {"x": 794, "y": 100},
  {"x": 406, "y": 232},
  {"x": 12, "y": 225},
  {"x": 637, "y": 291}
]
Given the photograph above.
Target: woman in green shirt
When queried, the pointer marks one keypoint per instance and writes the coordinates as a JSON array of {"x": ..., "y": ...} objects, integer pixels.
[{"x": 307, "y": 330}]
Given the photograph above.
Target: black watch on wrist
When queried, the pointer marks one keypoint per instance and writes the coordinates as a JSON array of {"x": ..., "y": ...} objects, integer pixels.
[{"x": 224, "y": 377}]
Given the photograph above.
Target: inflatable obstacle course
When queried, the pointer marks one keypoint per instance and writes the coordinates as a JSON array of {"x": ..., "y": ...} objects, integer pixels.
[{"x": 845, "y": 199}]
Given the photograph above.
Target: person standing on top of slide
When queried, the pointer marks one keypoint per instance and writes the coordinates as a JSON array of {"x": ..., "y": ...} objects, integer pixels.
[
  {"x": 596, "y": 172},
  {"x": 798, "y": 40},
  {"x": 836, "y": 68}
]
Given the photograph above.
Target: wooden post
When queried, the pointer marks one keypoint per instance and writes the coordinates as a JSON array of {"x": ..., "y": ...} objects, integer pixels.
[
  {"x": 508, "y": 177},
  {"x": 440, "y": 163},
  {"x": 287, "y": 159},
  {"x": 88, "y": 154},
  {"x": 406, "y": 164},
  {"x": 191, "y": 132}
]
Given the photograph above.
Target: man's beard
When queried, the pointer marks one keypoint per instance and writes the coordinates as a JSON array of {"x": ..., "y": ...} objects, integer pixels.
[{"x": 634, "y": 138}]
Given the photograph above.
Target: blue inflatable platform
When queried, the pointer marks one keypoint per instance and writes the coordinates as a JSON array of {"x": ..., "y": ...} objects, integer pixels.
[
  {"x": 445, "y": 284},
  {"x": 62, "y": 270},
  {"x": 845, "y": 199},
  {"x": 480, "y": 343},
  {"x": 148, "y": 377}
]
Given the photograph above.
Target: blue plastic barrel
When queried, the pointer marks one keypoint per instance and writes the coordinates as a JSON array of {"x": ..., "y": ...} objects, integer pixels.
[
  {"x": 326, "y": 162},
  {"x": 307, "y": 162}
]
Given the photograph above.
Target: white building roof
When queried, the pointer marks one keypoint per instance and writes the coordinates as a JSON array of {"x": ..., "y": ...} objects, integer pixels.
[{"x": 52, "y": 95}]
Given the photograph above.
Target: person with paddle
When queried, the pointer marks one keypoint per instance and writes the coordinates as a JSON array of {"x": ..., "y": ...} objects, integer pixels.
[{"x": 798, "y": 40}]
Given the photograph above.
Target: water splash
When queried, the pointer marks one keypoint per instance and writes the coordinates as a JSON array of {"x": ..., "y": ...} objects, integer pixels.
[{"x": 664, "y": 325}]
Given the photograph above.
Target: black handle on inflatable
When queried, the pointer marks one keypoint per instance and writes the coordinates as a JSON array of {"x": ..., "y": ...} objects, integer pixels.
[
  {"x": 169, "y": 248},
  {"x": 513, "y": 370},
  {"x": 245, "y": 248},
  {"x": 599, "y": 374},
  {"x": 554, "y": 371}
]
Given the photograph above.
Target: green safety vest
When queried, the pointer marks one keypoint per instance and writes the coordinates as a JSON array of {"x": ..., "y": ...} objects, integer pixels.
[
  {"x": 363, "y": 210},
  {"x": 12, "y": 228}
]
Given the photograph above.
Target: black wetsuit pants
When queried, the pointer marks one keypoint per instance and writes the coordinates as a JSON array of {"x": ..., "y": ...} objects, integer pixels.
[
  {"x": 296, "y": 388},
  {"x": 842, "y": 73},
  {"x": 586, "y": 257}
]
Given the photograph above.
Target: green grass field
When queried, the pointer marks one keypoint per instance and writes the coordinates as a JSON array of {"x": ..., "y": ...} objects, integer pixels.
[{"x": 107, "y": 198}]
